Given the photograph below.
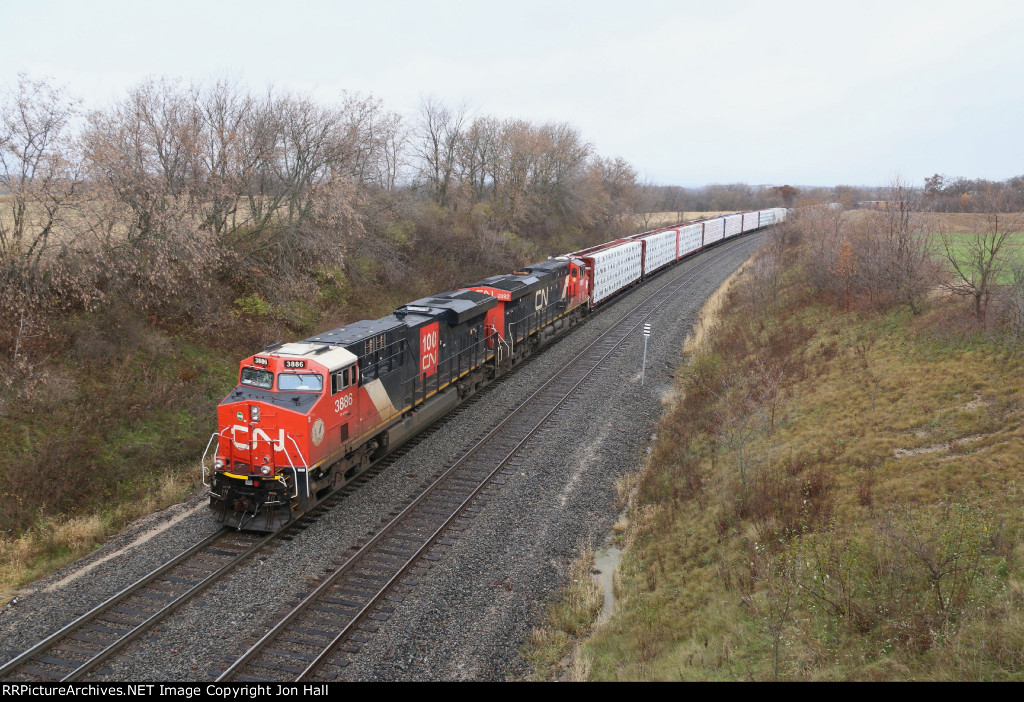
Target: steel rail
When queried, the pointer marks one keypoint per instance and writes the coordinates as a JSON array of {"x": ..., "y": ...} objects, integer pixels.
[
  {"x": 164, "y": 611},
  {"x": 111, "y": 602}
]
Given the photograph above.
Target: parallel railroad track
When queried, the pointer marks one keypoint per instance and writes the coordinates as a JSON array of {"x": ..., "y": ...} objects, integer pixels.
[{"x": 87, "y": 642}]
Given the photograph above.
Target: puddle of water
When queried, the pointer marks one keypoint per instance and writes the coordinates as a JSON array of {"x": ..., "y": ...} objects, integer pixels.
[{"x": 605, "y": 563}]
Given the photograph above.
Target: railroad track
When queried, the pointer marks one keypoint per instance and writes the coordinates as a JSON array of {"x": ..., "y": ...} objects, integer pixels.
[
  {"x": 313, "y": 639},
  {"x": 84, "y": 644}
]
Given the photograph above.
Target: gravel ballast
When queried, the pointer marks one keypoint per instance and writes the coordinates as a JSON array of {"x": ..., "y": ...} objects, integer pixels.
[{"x": 469, "y": 617}]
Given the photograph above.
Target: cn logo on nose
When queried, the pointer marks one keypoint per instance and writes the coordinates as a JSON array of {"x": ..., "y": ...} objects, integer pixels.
[{"x": 429, "y": 349}]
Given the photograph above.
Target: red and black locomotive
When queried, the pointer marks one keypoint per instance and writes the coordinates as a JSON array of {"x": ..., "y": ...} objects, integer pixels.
[{"x": 308, "y": 416}]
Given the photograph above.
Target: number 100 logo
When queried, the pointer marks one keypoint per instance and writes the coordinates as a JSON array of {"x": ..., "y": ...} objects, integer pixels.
[{"x": 429, "y": 350}]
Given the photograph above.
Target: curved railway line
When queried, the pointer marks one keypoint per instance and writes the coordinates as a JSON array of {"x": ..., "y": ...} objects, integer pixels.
[
  {"x": 311, "y": 640},
  {"x": 304, "y": 643}
]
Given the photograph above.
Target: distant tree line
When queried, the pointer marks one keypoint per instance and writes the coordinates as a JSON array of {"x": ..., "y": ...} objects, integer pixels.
[
  {"x": 175, "y": 190},
  {"x": 938, "y": 194},
  {"x": 742, "y": 196},
  {"x": 946, "y": 194},
  {"x": 904, "y": 253}
]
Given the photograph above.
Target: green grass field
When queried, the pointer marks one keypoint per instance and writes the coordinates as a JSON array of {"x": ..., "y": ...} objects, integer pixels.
[{"x": 1011, "y": 254}]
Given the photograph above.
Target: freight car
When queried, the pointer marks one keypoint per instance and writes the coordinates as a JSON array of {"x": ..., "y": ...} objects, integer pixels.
[{"x": 308, "y": 416}]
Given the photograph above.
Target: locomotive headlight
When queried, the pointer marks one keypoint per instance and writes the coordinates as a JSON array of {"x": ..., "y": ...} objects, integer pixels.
[
  {"x": 218, "y": 464},
  {"x": 254, "y": 413},
  {"x": 265, "y": 470}
]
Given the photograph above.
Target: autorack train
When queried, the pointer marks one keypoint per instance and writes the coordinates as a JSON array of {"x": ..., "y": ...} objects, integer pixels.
[{"x": 308, "y": 416}]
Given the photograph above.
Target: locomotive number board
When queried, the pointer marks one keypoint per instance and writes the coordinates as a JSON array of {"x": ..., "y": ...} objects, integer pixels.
[{"x": 294, "y": 364}]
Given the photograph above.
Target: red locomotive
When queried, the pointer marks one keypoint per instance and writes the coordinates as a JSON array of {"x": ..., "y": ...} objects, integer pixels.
[{"x": 306, "y": 417}]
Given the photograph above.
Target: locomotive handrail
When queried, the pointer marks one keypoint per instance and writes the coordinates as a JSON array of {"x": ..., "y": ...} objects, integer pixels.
[
  {"x": 502, "y": 345},
  {"x": 202, "y": 461},
  {"x": 294, "y": 469}
]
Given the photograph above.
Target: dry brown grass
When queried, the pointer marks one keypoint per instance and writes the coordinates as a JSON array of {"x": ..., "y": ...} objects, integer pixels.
[
  {"x": 965, "y": 223},
  {"x": 569, "y": 617},
  {"x": 896, "y": 446},
  {"x": 53, "y": 543},
  {"x": 711, "y": 312}
]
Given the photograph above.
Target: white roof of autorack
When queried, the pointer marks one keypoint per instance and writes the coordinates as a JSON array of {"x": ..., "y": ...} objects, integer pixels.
[{"x": 334, "y": 357}]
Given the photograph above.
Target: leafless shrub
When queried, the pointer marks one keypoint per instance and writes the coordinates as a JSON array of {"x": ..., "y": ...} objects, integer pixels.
[
  {"x": 899, "y": 257},
  {"x": 1014, "y": 308},
  {"x": 765, "y": 275},
  {"x": 40, "y": 181},
  {"x": 979, "y": 259},
  {"x": 882, "y": 257}
]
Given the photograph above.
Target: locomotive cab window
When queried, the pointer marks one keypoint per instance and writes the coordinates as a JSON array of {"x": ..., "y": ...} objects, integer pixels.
[
  {"x": 303, "y": 382},
  {"x": 345, "y": 378},
  {"x": 257, "y": 377}
]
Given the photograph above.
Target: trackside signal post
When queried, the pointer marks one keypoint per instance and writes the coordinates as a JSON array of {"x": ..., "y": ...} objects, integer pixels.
[{"x": 643, "y": 365}]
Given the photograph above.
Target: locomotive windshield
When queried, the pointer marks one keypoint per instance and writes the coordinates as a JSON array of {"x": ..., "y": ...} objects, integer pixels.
[
  {"x": 258, "y": 378},
  {"x": 300, "y": 381}
]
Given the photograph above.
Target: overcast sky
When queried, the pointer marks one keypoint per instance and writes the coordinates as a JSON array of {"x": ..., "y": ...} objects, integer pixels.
[{"x": 690, "y": 93}]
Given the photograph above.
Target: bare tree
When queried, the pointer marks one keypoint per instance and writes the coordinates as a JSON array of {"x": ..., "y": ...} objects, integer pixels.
[
  {"x": 40, "y": 180},
  {"x": 648, "y": 205},
  {"x": 394, "y": 137},
  {"x": 826, "y": 231},
  {"x": 513, "y": 173},
  {"x": 477, "y": 155},
  {"x": 436, "y": 142},
  {"x": 225, "y": 111},
  {"x": 903, "y": 257},
  {"x": 617, "y": 192},
  {"x": 563, "y": 154},
  {"x": 765, "y": 278},
  {"x": 979, "y": 259},
  {"x": 1015, "y": 303},
  {"x": 145, "y": 151}
]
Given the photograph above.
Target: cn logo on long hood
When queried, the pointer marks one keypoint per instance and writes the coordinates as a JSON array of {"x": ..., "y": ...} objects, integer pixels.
[
  {"x": 429, "y": 349},
  {"x": 540, "y": 299}
]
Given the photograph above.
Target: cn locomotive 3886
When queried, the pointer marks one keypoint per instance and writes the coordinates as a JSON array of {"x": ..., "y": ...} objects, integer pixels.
[{"x": 308, "y": 416}]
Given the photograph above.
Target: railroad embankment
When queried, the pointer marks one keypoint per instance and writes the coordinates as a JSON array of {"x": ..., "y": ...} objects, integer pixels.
[
  {"x": 107, "y": 412},
  {"x": 836, "y": 492}
]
